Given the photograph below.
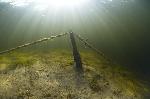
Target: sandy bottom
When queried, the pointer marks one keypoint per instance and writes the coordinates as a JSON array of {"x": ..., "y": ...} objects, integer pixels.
[{"x": 53, "y": 79}]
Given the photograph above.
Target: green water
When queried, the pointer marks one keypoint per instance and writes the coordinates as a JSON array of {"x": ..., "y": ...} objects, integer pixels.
[{"x": 119, "y": 28}]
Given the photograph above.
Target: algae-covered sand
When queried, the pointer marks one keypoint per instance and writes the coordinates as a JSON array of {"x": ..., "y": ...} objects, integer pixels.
[{"x": 51, "y": 75}]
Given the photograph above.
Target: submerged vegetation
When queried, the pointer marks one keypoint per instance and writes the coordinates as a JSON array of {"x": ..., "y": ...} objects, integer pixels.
[
  {"x": 120, "y": 28},
  {"x": 51, "y": 75},
  {"x": 16, "y": 59}
]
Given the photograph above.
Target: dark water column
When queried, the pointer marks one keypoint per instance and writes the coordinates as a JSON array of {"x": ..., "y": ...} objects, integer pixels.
[{"x": 77, "y": 58}]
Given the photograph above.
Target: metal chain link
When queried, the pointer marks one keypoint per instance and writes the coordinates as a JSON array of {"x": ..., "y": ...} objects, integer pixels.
[
  {"x": 33, "y": 43},
  {"x": 91, "y": 46},
  {"x": 52, "y": 37}
]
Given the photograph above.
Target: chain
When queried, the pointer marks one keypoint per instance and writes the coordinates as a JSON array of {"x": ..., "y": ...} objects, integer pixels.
[
  {"x": 52, "y": 37},
  {"x": 33, "y": 43},
  {"x": 91, "y": 46}
]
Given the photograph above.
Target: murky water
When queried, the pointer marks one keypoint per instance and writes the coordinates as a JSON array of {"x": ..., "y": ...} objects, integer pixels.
[{"x": 119, "y": 28}]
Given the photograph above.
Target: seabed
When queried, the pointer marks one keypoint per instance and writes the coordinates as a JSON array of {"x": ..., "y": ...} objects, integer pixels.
[{"x": 51, "y": 75}]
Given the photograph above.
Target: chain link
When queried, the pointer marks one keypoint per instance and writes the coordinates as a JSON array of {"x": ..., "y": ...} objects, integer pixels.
[
  {"x": 91, "y": 46},
  {"x": 33, "y": 43},
  {"x": 52, "y": 37}
]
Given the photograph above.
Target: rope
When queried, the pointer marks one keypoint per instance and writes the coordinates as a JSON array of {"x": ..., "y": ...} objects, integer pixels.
[
  {"x": 91, "y": 46},
  {"x": 33, "y": 43}
]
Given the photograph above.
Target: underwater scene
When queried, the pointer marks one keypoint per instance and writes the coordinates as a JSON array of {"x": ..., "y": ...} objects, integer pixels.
[{"x": 74, "y": 49}]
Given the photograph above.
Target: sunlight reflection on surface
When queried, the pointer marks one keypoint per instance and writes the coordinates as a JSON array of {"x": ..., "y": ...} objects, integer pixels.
[{"x": 45, "y": 4}]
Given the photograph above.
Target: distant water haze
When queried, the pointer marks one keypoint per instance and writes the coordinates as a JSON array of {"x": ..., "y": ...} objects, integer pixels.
[{"x": 120, "y": 28}]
